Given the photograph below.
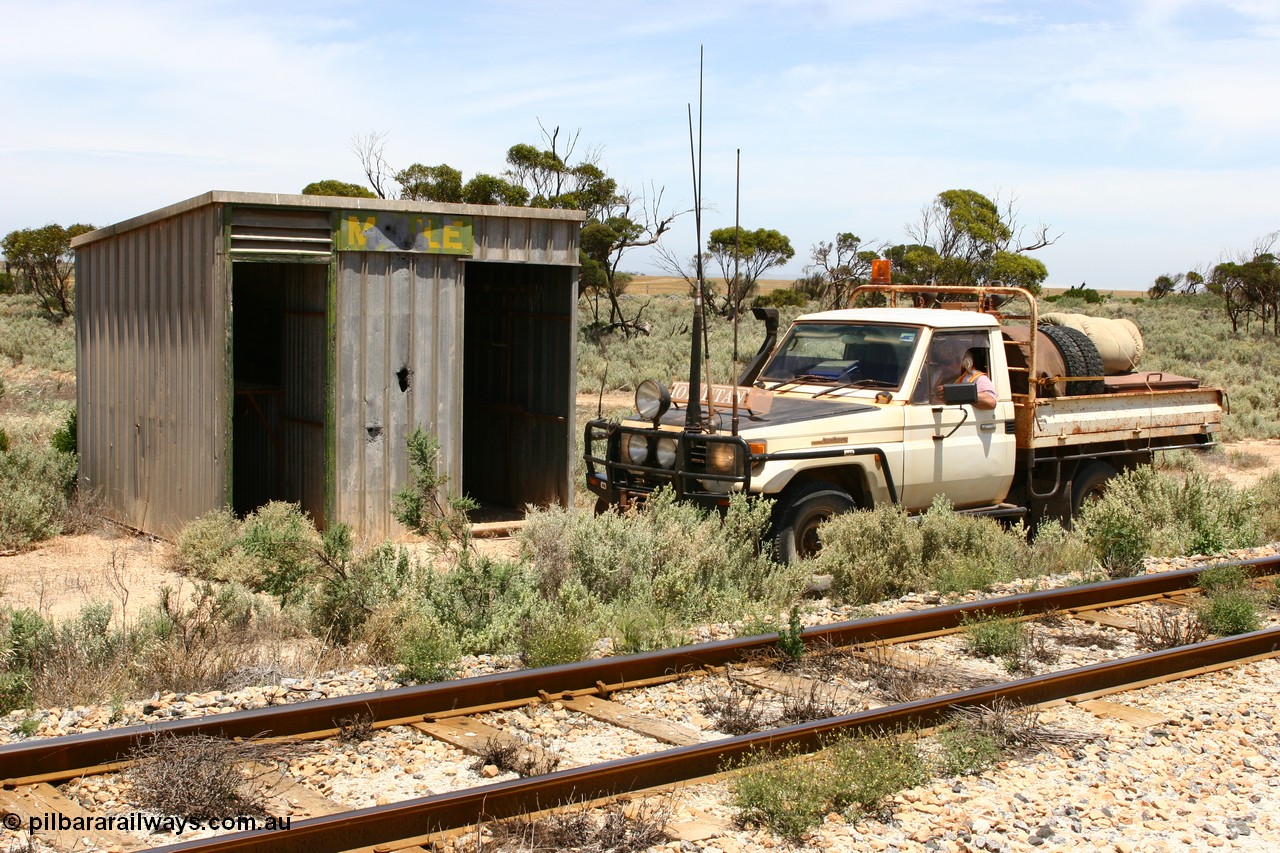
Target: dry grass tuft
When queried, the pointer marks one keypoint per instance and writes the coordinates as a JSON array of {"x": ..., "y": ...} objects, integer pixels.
[
  {"x": 198, "y": 777},
  {"x": 734, "y": 707},
  {"x": 899, "y": 679},
  {"x": 1015, "y": 728},
  {"x": 355, "y": 729},
  {"x": 616, "y": 827},
  {"x": 513, "y": 757},
  {"x": 820, "y": 702},
  {"x": 1167, "y": 628}
]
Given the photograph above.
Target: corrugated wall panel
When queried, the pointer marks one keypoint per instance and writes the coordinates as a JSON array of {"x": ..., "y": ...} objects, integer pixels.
[
  {"x": 520, "y": 240},
  {"x": 150, "y": 349},
  {"x": 395, "y": 311}
]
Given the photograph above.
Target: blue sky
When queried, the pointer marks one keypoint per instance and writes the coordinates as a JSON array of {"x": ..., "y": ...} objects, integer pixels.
[{"x": 1146, "y": 134}]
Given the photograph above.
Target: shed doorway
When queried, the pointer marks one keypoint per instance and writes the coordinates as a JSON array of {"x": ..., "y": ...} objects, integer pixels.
[
  {"x": 518, "y": 383},
  {"x": 279, "y": 347}
]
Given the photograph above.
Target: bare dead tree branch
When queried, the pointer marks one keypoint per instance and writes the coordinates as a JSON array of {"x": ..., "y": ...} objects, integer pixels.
[{"x": 370, "y": 149}]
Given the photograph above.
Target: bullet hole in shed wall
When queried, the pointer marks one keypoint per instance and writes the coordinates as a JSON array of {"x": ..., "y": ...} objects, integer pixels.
[
  {"x": 402, "y": 377},
  {"x": 375, "y": 432}
]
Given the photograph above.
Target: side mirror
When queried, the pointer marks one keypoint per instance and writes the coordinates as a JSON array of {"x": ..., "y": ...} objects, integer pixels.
[{"x": 960, "y": 393}]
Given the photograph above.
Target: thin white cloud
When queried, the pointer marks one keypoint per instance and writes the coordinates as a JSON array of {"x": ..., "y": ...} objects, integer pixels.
[{"x": 1137, "y": 118}]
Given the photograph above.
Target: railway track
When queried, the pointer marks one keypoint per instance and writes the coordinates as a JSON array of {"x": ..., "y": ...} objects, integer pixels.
[{"x": 588, "y": 685}]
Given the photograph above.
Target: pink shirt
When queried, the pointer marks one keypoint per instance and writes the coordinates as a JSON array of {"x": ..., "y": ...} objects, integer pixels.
[{"x": 985, "y": 385}]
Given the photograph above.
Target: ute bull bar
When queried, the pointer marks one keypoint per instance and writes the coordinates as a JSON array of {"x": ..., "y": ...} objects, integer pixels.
[{"x": 706, "y": 468}]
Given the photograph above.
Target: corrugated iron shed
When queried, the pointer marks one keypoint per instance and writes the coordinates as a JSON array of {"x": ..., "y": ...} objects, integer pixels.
[{"x": 237, "y": 348}]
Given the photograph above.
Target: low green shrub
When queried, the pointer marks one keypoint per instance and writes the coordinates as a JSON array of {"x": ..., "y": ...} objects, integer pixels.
[
  {"x": 425, "y": 651},
  {"x": 966, "y": 748},
  {"x": 873, "y": 555},
  {"x": 483, "y": 600},
  {"x": 15, "y": 691},
  {"x": 282, "y": 547},
  {"x": 993, "y": 636},
  {"x": 1148, "y": 512},
  {"x": 870, "y": 769},
  {"x": 786, "y": 796},
  {"x": 1231, "y": 611},
  {"x": 64, "y": 439},
  {"x": 791, "y": 793},
  {"x": 1267, "y": 492},
  {"x": 73, "y": 662},
  {"x": 349, "y": 584},
  {"x": 556, "y": 641},
  {"x": 1217, "y": 579},
  {"x": 203, "y": 546},
  {"x": 560, "y": 629},
  {"x": 637, "y": 628},
  {"x": 671, "y": 558},
  {"x": 880, "y": 553},
  {"x": 1056, "y": 550},
  {"x": 36, "y": 484},
  {"x": 29, "y": 336}
]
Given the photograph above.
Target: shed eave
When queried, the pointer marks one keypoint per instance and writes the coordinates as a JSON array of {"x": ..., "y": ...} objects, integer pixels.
[{"x": 324, "y": 202}]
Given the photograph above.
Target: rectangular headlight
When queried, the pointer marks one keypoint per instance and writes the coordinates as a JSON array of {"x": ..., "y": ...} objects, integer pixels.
[{"x": 722, "y": 458}]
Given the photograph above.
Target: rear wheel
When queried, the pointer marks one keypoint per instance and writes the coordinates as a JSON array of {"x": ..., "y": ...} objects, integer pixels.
[
  {"x": 800, "y": 515},
  {"x": 1089, "y": 485}
]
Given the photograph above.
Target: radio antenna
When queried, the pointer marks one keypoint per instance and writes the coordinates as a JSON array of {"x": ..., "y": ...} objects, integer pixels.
[
  {"x": 693, "y": 413},
  {"x": 737, "y": 293}
]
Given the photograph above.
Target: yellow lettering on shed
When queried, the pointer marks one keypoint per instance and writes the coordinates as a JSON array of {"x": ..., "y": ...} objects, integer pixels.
[
  {"x": 356, "y": 227},
  {"x": 430, "y": 235},
  {"x": 453, "y": 235}
]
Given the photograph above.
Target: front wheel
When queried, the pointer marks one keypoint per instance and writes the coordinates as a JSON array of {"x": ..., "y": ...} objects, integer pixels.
[{"x": 800, "y": 516}]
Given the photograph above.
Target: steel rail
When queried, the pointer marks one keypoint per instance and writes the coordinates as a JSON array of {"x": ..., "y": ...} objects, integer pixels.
[
  {"x": 412, "y": 819},
  {"x": 72, "y": 753}
]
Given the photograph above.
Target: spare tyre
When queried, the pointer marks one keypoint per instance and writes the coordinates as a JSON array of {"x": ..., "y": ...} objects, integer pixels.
[{"x": 1080, "y": 357}]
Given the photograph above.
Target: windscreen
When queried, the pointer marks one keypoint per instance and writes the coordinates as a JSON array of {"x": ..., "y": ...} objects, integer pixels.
[{"x": 845, "y": 353}]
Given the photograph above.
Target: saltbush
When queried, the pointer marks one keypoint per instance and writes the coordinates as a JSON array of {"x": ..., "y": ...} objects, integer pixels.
[
  {"x": 29, "y": 336},
  {"x": 881, "y": 553},
  {"x": 993, "y": 636},
  {"x": 425, "y": 650},
  {"x": 854, "y": 776},
  {"x": 348, "y": 585},
  {"x": 204, "y": 545},
  {"x": 872, "y": 555},
  {"x": 36, "y": 483},
  {"x": 64, "y": 439},
  {"x": 282, "y": 546},
  {"x": 483, "y": 600},
  {"x": 1148, "y": 512},
  {"x": 1231, "y": 611},
  {"x": 671, "y": 558},
  {"x": 965, "y": 748}
]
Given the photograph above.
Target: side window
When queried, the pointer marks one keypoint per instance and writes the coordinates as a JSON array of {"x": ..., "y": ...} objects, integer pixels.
[{"x": 942, "y": 362}]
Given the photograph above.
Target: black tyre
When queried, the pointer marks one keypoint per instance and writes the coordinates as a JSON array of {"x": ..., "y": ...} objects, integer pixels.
[
  {"x": 1080, "y": 356},
  {"x": 1089, "y": 485},
  {"x": 801, "y": 513}
]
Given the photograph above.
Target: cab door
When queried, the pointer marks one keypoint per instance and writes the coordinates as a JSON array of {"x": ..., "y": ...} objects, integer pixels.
[{"x": 959, "y": 450}]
